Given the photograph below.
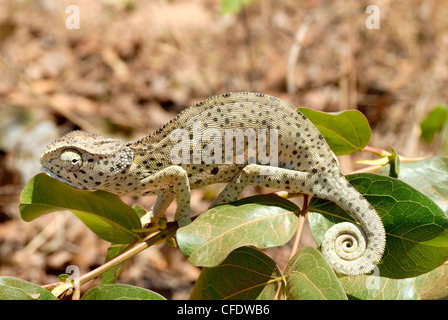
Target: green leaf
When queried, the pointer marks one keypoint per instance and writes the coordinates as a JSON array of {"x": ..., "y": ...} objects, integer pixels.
[
  {"x": 233, "y": 6},
  {"x": 309, "y": 277},
  {"x": 433, "y": 122},
  {"x": 139, "y": 210},
  {"x": 345, "y": 132},
  {"x": 104, "y": 213},
  {"x": 416, "y": 228},
  {"x": 120, "y": 292},
  {"x": 431, "y": 285},
  {"x": 373, "y": 287},
  {"x": 429, "y": 176},
  {"x": 245, "y": 274},
  {"x": 17, "y": 289},
  {"x": 262, "y": 221}
]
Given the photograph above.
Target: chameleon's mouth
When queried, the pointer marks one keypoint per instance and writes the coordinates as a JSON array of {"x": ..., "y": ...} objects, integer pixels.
[{"x": 55, "y": 176}]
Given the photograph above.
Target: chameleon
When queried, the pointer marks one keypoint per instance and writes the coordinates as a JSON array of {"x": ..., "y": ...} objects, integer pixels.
[{"x": 295, "y": 157}]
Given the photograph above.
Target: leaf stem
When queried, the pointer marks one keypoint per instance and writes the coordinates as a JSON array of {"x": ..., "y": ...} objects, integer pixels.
[
  {"x": 377, "y": 151},
  {"x": 302, "y": 218}
]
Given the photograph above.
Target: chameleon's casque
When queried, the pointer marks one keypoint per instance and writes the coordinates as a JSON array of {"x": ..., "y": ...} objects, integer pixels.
[{"x": 299, "y": 161}]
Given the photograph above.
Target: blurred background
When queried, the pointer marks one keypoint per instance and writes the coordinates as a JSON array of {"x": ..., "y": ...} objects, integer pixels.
[{"x": 126, "y": 67}]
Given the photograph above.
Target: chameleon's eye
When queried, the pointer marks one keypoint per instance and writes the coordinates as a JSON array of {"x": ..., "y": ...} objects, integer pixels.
[{"x": 71, "y": 160}]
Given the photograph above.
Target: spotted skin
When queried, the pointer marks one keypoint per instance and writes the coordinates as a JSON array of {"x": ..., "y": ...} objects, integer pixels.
[{"x": 303, "y": 163}]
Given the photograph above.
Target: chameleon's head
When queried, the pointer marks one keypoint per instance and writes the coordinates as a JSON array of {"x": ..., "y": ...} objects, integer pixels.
[{"x": 86, "y": 160}]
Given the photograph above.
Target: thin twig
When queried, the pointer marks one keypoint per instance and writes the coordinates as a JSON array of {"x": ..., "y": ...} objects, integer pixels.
[
  {"x": 127, "y": 254},
  {"x": 248, "y": 45},
  {"x": 377, "y": 151},
  {"x": 302, "y": 218},
  {"x": 294, "y": 53},
  {"x": 370, "y": 169},
  {"x": 159, "y": 238}
]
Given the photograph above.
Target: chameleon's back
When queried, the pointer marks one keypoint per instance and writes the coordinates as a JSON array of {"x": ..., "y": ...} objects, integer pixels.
[{"x": 215, "y": 138}]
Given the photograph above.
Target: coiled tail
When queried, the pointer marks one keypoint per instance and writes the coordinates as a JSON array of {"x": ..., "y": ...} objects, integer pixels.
[{"x": 351, "y": 249}]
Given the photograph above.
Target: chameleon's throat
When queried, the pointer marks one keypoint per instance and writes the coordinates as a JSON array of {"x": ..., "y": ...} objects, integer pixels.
[{"x": 55, "y": 176}]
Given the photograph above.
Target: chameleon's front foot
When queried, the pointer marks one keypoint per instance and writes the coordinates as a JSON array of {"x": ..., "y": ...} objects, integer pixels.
[{"x": 182, "y": 217}]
